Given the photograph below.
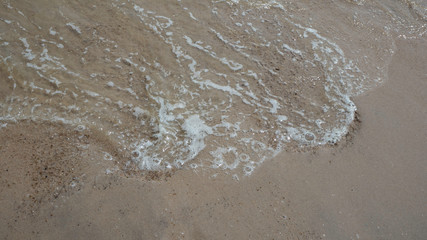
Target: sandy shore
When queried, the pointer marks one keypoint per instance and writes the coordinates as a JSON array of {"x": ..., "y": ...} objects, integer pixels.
[{"x": 53, "y": 181}]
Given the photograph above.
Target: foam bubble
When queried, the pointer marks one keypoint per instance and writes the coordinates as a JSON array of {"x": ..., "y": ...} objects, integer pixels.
[{"x": 196, "y": 130}]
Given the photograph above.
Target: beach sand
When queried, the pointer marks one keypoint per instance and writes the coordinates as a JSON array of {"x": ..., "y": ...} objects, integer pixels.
[{"x": 54, "y": 185}]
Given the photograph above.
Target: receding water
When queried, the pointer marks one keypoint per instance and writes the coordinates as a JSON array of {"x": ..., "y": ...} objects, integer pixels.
[{"x": 199, "y": 84}]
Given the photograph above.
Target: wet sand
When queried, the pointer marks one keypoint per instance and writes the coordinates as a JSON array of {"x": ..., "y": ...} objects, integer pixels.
[{"x": 53, "y": 181}]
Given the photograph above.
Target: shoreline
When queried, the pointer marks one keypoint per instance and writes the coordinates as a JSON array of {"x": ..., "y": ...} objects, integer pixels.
[{"x": 374, "y": 187}]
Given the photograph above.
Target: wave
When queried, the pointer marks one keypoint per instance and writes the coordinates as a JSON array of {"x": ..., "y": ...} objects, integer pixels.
[{"x": 198, "y": 84}]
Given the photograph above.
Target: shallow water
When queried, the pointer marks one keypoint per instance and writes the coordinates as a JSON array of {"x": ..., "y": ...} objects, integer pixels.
[{"x": 199, "y": 84}]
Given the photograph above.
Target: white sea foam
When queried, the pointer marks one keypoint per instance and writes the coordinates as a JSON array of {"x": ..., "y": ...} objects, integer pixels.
[
  {"x": 196, "y": 130},
  {"x": 74, "y": 27}
]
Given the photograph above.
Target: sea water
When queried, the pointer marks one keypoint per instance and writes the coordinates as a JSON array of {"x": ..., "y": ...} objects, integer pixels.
[{"x": 222, "y": 84}]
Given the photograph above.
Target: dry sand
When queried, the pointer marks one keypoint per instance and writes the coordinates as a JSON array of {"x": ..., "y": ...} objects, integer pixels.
[{"x": 53, "y": 183}]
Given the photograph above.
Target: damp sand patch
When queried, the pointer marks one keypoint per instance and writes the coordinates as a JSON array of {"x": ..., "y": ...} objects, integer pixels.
[{"x": 44, "y": 161}]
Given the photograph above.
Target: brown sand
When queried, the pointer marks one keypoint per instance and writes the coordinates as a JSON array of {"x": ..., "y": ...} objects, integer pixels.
[{"x": 53, "y": 183}]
